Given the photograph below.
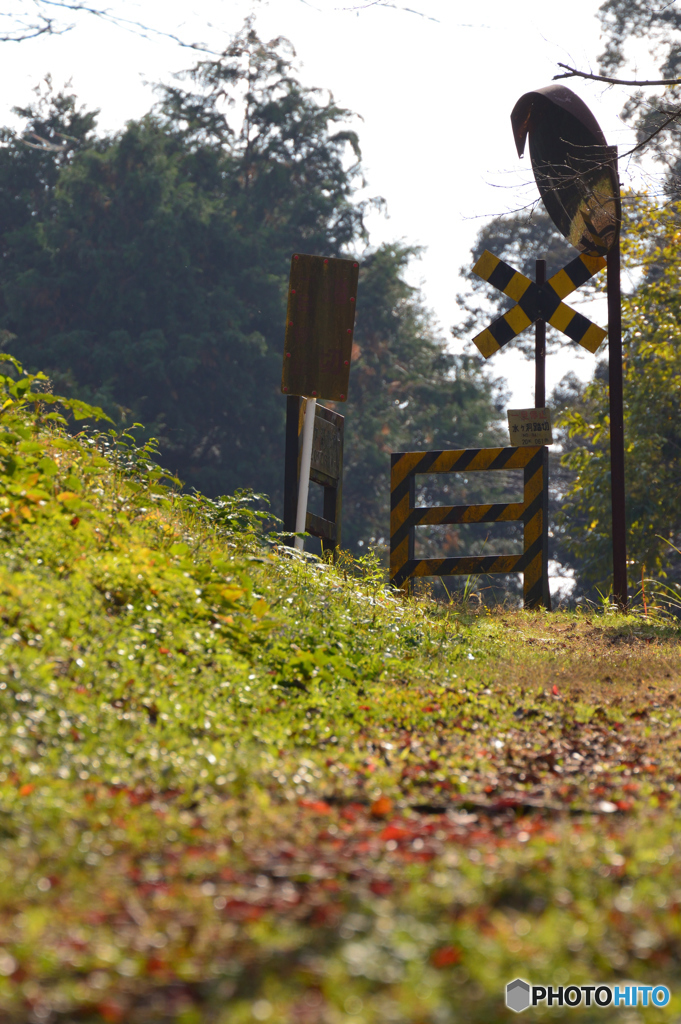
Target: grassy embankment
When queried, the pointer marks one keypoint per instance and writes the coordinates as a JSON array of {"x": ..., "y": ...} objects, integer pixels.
[{"x": 236, "y": 786}]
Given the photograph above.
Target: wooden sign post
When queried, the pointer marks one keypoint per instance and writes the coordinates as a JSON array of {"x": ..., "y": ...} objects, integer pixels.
[{"x": 320, "y": 320}]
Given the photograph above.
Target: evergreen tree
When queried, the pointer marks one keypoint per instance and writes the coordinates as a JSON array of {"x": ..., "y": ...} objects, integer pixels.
[
  {"x": 147, "y": 272},
  {"x": 627, "y": 22}
]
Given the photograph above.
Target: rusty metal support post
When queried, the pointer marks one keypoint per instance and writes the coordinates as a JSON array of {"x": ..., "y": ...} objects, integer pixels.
[
  {"x": 540, "y": 403},
  {"x": 540, "y": 346},
  {"x": 615, "y": 383}
]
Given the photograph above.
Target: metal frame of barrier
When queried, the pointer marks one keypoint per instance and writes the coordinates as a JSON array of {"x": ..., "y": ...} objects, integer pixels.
[{"x": 532, "y": 511}]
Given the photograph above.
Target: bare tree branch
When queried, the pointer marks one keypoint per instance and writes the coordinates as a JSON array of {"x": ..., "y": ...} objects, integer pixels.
[
  {"x": 386, "y": 3},
  {"x": 574, "y": 73},
  {"x": 42, "y": 24},
  {"x": 675, "y": 114},
  {"x": 44, "y": 145}
]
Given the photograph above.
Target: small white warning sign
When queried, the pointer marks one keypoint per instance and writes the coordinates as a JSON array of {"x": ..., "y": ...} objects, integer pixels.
[{"x": 529, "y": 426}]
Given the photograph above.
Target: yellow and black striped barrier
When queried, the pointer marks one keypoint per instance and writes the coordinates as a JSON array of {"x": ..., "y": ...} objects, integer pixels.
[
  {"x": 538, "y": 302},
  {"x": 532, "y": 511}
]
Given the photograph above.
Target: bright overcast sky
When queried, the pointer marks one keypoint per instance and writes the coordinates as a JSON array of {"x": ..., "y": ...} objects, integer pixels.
[{"x": 434, "y": 89}]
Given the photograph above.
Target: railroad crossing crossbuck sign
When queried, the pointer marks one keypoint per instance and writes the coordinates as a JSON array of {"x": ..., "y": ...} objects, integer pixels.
[{"x": 538, "y": 302}]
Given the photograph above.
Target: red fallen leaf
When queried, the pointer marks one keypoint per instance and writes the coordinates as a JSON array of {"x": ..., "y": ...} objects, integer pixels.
[
  {"x": 381, "y": 886},
  {"x": 362, "y": 847},
  {"x": 242, "y": 911},
  {"x": 382, "y": 807},
  {"x": 137, "y": 797},
  {"x": 163, "y": 650},
  {"x": 364, "y": 707},
  {"x": 318, "y": 806},
  {"x": 506, "y": 802},
  {"x": 26, "y": 789},
  {"x": 554, "y": 691},
  {"x": 110, "y": 1011},
  {"x": 394, "y": 832},
  {"x": 155, "y": 966},
  {"x": 324, "y": 914},
  {"x": 445, "y": 956}
]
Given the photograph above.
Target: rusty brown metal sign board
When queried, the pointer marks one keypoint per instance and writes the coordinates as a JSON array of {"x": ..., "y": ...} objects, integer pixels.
[
  {"x": 320, "y": 321},
  {"x": 574, "y": 168}
]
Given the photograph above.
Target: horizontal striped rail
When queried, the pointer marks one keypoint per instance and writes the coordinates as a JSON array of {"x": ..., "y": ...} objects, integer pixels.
[{"x": 532, "y": 511}]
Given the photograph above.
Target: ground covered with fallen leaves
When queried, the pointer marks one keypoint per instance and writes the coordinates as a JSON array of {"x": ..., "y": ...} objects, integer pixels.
[{"x": 241, "y": 786}]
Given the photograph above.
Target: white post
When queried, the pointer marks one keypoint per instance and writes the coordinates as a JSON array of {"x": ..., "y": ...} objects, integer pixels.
[{"x": 304, "y": 482}]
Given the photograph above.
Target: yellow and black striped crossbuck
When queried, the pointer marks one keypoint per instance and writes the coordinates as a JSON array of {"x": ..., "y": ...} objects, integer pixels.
[
  {"x": 532, "y": 511},
  {"x": 538, "y": 302}
]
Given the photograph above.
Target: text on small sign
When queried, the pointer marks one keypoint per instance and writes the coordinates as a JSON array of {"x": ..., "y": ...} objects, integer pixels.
[{"x": 529, "y": 426}]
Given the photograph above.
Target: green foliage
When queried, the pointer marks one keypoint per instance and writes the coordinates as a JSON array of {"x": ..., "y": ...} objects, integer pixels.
[
  {"x": 32, "y": 478},
  {"x": 652, "y": 395}
]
